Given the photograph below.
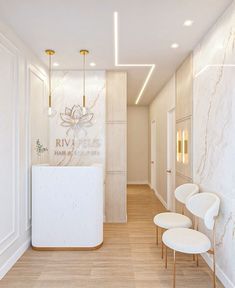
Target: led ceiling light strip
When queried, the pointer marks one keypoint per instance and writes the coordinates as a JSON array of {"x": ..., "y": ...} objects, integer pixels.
[
  {"x": 152, "y": 66},
  {"x": 213, "y": 65}
]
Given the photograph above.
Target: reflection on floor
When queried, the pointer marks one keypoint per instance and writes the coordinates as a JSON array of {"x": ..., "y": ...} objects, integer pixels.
[{"x": 128, "y": 258}]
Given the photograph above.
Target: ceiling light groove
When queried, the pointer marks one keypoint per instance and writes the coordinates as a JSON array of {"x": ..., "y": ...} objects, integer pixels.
[{"x": 151, "y": 66}]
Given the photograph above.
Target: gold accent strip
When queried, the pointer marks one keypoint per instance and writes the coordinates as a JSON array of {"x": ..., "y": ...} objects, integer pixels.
[
  {"x": 67, "y": 248},
  {"x": 179, "y": 146},
  {"x": 185, "y": 146},
  {"x": 84, "y": 101},
  {"x": 49, "y": 101}
]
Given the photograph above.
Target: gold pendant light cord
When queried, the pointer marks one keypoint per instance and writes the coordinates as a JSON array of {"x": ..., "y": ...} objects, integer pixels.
[
  {"x": 84, "y": 80},
  {"x": 84, "y": 53},
  {"x": 49, "y": 81},
  {"x": 49, "y": 52}
]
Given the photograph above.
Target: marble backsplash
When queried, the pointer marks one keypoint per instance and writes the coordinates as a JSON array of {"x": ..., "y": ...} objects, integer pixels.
[
  {"x": 214, "y": 131},
  {"x": 77, "y": 137}
]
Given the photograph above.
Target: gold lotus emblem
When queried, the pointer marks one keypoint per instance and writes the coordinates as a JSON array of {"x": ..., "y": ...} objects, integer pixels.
[{"x": 76, "y": 119}]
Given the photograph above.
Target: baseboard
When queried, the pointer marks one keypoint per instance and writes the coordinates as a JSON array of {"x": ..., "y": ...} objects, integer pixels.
[
  {"x": 13, "y": 259},
  {"x": 160, "y": 199},
  {"x": 138, "y": 183},
  {"x": 219, "y": 272}
]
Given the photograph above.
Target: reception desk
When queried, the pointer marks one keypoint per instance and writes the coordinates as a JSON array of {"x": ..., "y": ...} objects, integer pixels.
[{"x": 67, "y": 207}]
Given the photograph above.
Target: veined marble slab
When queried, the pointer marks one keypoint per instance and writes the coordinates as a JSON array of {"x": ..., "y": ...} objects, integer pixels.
[
  {"x": 77, "y": 137},
  {"x": 214, "y": 131}
]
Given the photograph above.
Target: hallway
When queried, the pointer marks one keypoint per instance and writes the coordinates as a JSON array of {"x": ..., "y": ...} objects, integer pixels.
[{"x": 128, "y": 258}]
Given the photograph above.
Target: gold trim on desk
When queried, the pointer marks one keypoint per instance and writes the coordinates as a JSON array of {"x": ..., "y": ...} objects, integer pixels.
[{"x": 67, "y": 248}]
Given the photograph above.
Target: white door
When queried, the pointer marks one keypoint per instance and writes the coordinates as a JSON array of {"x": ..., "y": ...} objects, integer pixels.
[
  {"x": 153, "y": 155},
  {"x": 170, "y": 159}
]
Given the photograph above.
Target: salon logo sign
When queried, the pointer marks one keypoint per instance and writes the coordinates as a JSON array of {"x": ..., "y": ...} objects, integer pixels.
[
  {"x": 79, "y": 144},
  {"x": 67, "y": 147},
  {"x": 76, "y": 119}
]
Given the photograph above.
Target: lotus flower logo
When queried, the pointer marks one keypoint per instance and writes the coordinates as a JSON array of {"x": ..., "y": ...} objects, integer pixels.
[{"x": 76, "y": 118}]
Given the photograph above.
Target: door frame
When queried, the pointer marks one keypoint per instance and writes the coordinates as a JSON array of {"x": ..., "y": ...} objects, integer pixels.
[
  {"x": 170, "y": 171},
  {"x": 153, "y": 155}
]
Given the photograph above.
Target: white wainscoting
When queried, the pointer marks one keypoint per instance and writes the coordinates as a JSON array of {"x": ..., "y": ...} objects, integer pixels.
[
  {"x": 9, "y": 196},
  {"x": 15, "y": 201},
  {"x": 36, "y": 122}
]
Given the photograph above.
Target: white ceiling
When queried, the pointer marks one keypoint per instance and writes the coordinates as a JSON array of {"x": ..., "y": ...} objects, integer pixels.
[{"x": 147, "y": 28}]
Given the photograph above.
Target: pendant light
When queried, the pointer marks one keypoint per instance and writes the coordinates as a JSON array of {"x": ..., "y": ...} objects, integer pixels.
[
  {"x": 84, "y": 52},
  {"x": 50, "y": 53}
]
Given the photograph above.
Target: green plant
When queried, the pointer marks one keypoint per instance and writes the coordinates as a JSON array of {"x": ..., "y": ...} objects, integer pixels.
[{"x": 39, "y": 148}]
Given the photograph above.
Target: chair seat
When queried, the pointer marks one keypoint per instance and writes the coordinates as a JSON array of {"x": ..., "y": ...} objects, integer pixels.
[
  {"x": 168, "y": 220},
  {"x": 186, "y": 240}
]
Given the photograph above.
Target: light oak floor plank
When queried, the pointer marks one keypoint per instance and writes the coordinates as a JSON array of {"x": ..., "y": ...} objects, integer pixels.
[{"x": 129, "y": 258}]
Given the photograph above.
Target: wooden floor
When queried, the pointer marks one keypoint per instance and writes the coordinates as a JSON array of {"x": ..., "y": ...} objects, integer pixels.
[{"x": 128, "y": 258}]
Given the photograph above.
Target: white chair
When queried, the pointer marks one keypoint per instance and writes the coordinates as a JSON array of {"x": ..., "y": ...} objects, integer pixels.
[
  {"x": 168, "y": 220},
  {"x": 205, "y": 206}
]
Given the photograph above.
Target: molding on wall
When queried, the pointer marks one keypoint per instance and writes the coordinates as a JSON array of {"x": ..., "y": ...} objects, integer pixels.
[
  {"x": 12, "y": 236},
  {"x": 12, "y": 260},
  {"x": 219, "y": 272},
  {"x": 30, "y": 68},
  {"x": 13, "y": 246}
]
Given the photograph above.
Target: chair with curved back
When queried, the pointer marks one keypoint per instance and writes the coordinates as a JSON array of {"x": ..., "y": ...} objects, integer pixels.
[
  {"x": 204, "y": 206},
  {"x": 168, "y": 220}
]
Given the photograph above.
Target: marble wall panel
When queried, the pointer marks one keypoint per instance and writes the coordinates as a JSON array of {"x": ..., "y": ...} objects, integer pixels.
[{"x": 214, "y": 132}]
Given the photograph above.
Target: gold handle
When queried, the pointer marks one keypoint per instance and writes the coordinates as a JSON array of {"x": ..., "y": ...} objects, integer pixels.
[{"x": 168, "y": 171}]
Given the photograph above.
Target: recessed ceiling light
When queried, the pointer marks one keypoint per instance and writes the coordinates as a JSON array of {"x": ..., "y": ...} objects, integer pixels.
[
  {"x": 188, "y": 23},
  {"x": 56, "y": 64},
  {"x": 92, "y": 64},
  {"x": 174, "y": 45}
]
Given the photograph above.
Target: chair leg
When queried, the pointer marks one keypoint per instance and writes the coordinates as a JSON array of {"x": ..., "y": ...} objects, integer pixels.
[
  {"x": 157, "y": 235},
  {"x": 174, "y": 270},
  {"x": 166, "y": 257},
  {"x": 214, "y": 271},
  {"x": 162, "y": 243}
]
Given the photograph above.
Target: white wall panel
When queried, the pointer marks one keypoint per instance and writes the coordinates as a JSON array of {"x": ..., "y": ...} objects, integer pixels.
[
  {"x": 15, "y": 152},
  {"x": 37, "y": 127},
  {"x": 9, "y": 200}
]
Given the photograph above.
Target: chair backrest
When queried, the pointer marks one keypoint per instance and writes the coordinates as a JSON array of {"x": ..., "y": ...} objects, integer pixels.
[
  {"x": 185, "y": 191},
  {"x": 204, "y": 205}
]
